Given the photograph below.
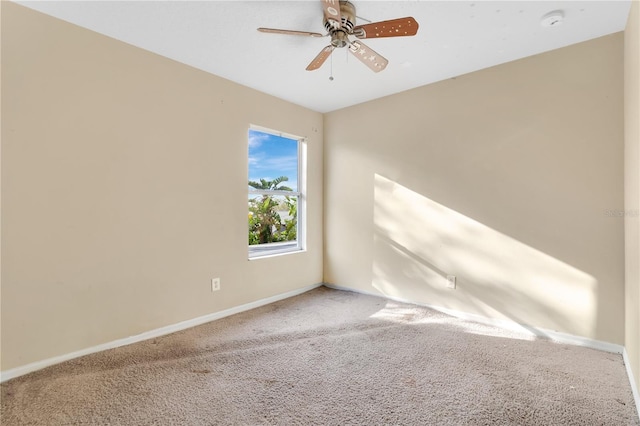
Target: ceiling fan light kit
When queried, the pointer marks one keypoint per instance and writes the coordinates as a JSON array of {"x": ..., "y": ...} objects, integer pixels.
[{"x": 340, "y": 23}]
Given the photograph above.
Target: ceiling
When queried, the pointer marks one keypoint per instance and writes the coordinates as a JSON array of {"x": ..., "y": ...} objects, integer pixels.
[{"x": 454, "y": 38}]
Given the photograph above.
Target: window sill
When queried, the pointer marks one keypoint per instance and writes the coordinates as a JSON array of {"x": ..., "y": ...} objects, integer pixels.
[{"x": 274, "y": 249}]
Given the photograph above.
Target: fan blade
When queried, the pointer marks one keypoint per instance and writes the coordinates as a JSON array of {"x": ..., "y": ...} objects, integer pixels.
[
  {"x": 332, "y": 12},
  {"x": 393, "y": 28},
  {"x": 290, "y": 32},
  {"x": 368, "y": 56},
  {"x": 319, "y": 60}
]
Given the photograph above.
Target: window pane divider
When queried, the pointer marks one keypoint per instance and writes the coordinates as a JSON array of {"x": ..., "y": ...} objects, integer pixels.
[{"x": 274, "y": 192}]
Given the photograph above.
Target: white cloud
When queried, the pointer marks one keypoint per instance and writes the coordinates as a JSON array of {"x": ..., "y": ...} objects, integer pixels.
[{"x": 256, "y": 139}]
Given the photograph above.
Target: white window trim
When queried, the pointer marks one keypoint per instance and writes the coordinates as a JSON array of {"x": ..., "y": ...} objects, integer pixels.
[{"x": 260, "y": 251}]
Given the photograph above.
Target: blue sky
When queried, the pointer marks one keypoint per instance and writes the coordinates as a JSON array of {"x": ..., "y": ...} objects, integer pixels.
[{"x": 272, "y": 156}]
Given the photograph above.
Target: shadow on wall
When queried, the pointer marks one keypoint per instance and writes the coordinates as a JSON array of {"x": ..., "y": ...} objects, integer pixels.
[{"x": 418, "y": 242}]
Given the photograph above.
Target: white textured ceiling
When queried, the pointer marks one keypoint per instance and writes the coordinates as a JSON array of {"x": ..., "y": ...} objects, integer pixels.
[{"x": 454, "y": 38}]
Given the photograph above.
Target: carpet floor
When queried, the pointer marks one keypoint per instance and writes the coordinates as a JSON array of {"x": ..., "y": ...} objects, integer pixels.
[{"x": 330, "y": 357}]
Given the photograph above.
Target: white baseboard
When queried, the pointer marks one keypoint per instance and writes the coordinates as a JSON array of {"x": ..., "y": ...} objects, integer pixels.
[
  {"x": 502, "y": 323},
  {"x": 38, "y": 365},
  {"x": 634, "y": 387}
]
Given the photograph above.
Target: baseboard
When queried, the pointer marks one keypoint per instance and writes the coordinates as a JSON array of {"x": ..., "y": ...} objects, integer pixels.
[
  {"x": 38, "y": 365},
  {"x": 501, "y": 323},
  {"x": 634, "y": 387}
]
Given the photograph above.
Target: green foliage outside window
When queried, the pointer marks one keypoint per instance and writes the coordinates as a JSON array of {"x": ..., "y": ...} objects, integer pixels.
[{"x": 266, "y": 224}]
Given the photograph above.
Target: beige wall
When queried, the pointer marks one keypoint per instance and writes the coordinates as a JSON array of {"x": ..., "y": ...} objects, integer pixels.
[
  {"x": 0, "y": 189},
  {"x": 507, "y": 178},
  {"x": 632, "y": 187},
  {"x": 124, "y": 190}
]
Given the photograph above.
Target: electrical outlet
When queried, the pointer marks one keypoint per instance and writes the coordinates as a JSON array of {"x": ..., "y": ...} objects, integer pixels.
[
  {"x": 451, "y": 281},
  {"x": 215, "y": 284}
]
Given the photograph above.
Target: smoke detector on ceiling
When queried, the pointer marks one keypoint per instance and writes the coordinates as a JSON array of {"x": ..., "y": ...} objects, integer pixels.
[{"x": 552, "y": 19}]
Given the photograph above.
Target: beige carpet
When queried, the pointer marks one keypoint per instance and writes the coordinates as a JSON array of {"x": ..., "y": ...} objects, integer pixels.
[{"x": 330, "y": 357}]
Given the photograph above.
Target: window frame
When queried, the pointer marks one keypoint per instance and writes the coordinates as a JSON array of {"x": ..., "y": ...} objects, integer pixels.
[{"x": 259, "y": 251}]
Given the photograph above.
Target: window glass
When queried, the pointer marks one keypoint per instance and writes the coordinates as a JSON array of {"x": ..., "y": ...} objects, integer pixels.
[{"x": 274, "y": 199}]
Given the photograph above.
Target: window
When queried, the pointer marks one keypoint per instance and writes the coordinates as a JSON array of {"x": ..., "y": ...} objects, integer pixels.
[{"x": 276, "y": 198}]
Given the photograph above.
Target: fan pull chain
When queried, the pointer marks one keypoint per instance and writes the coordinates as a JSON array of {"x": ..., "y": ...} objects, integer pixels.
[{"x": 331, "y": 73}]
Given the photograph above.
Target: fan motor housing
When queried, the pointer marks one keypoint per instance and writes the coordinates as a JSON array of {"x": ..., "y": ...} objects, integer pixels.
[{"x": 348, "y": 13}]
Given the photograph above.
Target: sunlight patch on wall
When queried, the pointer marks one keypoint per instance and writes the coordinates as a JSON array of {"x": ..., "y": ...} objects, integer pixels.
[{"x": 418, "y": 242}]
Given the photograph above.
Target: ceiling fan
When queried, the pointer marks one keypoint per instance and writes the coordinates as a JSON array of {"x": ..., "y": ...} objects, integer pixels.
[{"x": 340, "y": 23}]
